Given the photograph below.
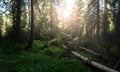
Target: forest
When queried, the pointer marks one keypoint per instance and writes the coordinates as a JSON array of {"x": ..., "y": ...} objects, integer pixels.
[{"x": 59, "y": 35}]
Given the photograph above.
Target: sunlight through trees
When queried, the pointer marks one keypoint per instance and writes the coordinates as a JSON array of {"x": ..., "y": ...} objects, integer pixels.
[{"x": 93, "y": 24}]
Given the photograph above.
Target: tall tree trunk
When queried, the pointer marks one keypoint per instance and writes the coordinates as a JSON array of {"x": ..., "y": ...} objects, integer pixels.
[
  {"x": 98, "y": 21},
  {"x": 51, "y": 15},
  {"x": 18, "y": 20},
  {"x": 0, "y": 34},
  {"x": 1, "y": 22},
  {"x": 31, "y": 38},
  {"x": 16, "y": 11},
  {"x": 51, "y": 20},
  {"x": 117, "y": 25},
  {"x": 105, "y": 21}
]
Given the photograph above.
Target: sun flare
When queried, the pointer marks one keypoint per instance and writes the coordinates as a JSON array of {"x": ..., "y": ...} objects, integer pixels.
[
  {"x": 65, "y": 9},
  {"x": 66, "y": 14}
]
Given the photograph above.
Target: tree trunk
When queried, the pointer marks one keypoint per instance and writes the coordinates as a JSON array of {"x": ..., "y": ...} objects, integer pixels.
[
  {"x": 94, "y": 64},
  {"x": 18, "y": 21},
  {"x": 105, "y": 21},
  {"x": 117, "y": 25},
  {"x": 0, "y": 35},
  {"x": 31, "y": 38},
  {"x": 51, "y": 15},
  {"x": 16, "y": 11},
  {"x": 98, "y": 22}
]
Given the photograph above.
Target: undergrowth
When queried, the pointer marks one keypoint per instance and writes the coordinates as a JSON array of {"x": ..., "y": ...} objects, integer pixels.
[{"x": 40, "y": 59}]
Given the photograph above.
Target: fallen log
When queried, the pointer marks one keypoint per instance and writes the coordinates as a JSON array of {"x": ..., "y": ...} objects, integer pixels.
[
  {"x": 92, "y": 63},
  {"x": 89, "y": 51},
  {"x": 93, "y": 52}
]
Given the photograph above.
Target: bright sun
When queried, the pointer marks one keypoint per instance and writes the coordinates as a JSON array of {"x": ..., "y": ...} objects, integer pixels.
[
  {"x": 66, "y": 14},
  {"x": 65, "y": 9}
]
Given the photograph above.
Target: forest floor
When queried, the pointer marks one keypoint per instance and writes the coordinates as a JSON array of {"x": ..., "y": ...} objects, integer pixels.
[{"x": 14, "y": 58}]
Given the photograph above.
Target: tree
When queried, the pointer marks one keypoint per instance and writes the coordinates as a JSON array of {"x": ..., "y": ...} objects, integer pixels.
[
  {"x": 18, "y": 20},
  {"x": 31, "y": 38},
  {"x": 16, "y": 27},
  {"x": 116, "y": 12},
  {"x": 105, "y": 20},
  {"x": 93, "y": 20},
  {"x": 98, "y": 21},
  {"x": 1, "y": 21},
  {"x": 51, "y": 10}
]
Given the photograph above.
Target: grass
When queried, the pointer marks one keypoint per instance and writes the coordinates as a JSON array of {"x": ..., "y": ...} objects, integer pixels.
[{"x": 40, "y": 59}]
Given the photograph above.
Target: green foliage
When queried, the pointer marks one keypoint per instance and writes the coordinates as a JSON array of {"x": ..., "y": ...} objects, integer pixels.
[
  {"x": 54, "y": 65},
  {"x": 10, "y": 35},
  {"x": 8, "y": 46},
  {"x": 46, "y": 60},
  {"x": 103, "y": 48},
  {"x": 54, "y": 51},
  {"x": 55, "y": 41},
  {"x": 39, "y": 45},
  {"x": 87, "y": 42},
  {"x": 114, "y": 49},
  {"x": 109, "y": 46}
]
